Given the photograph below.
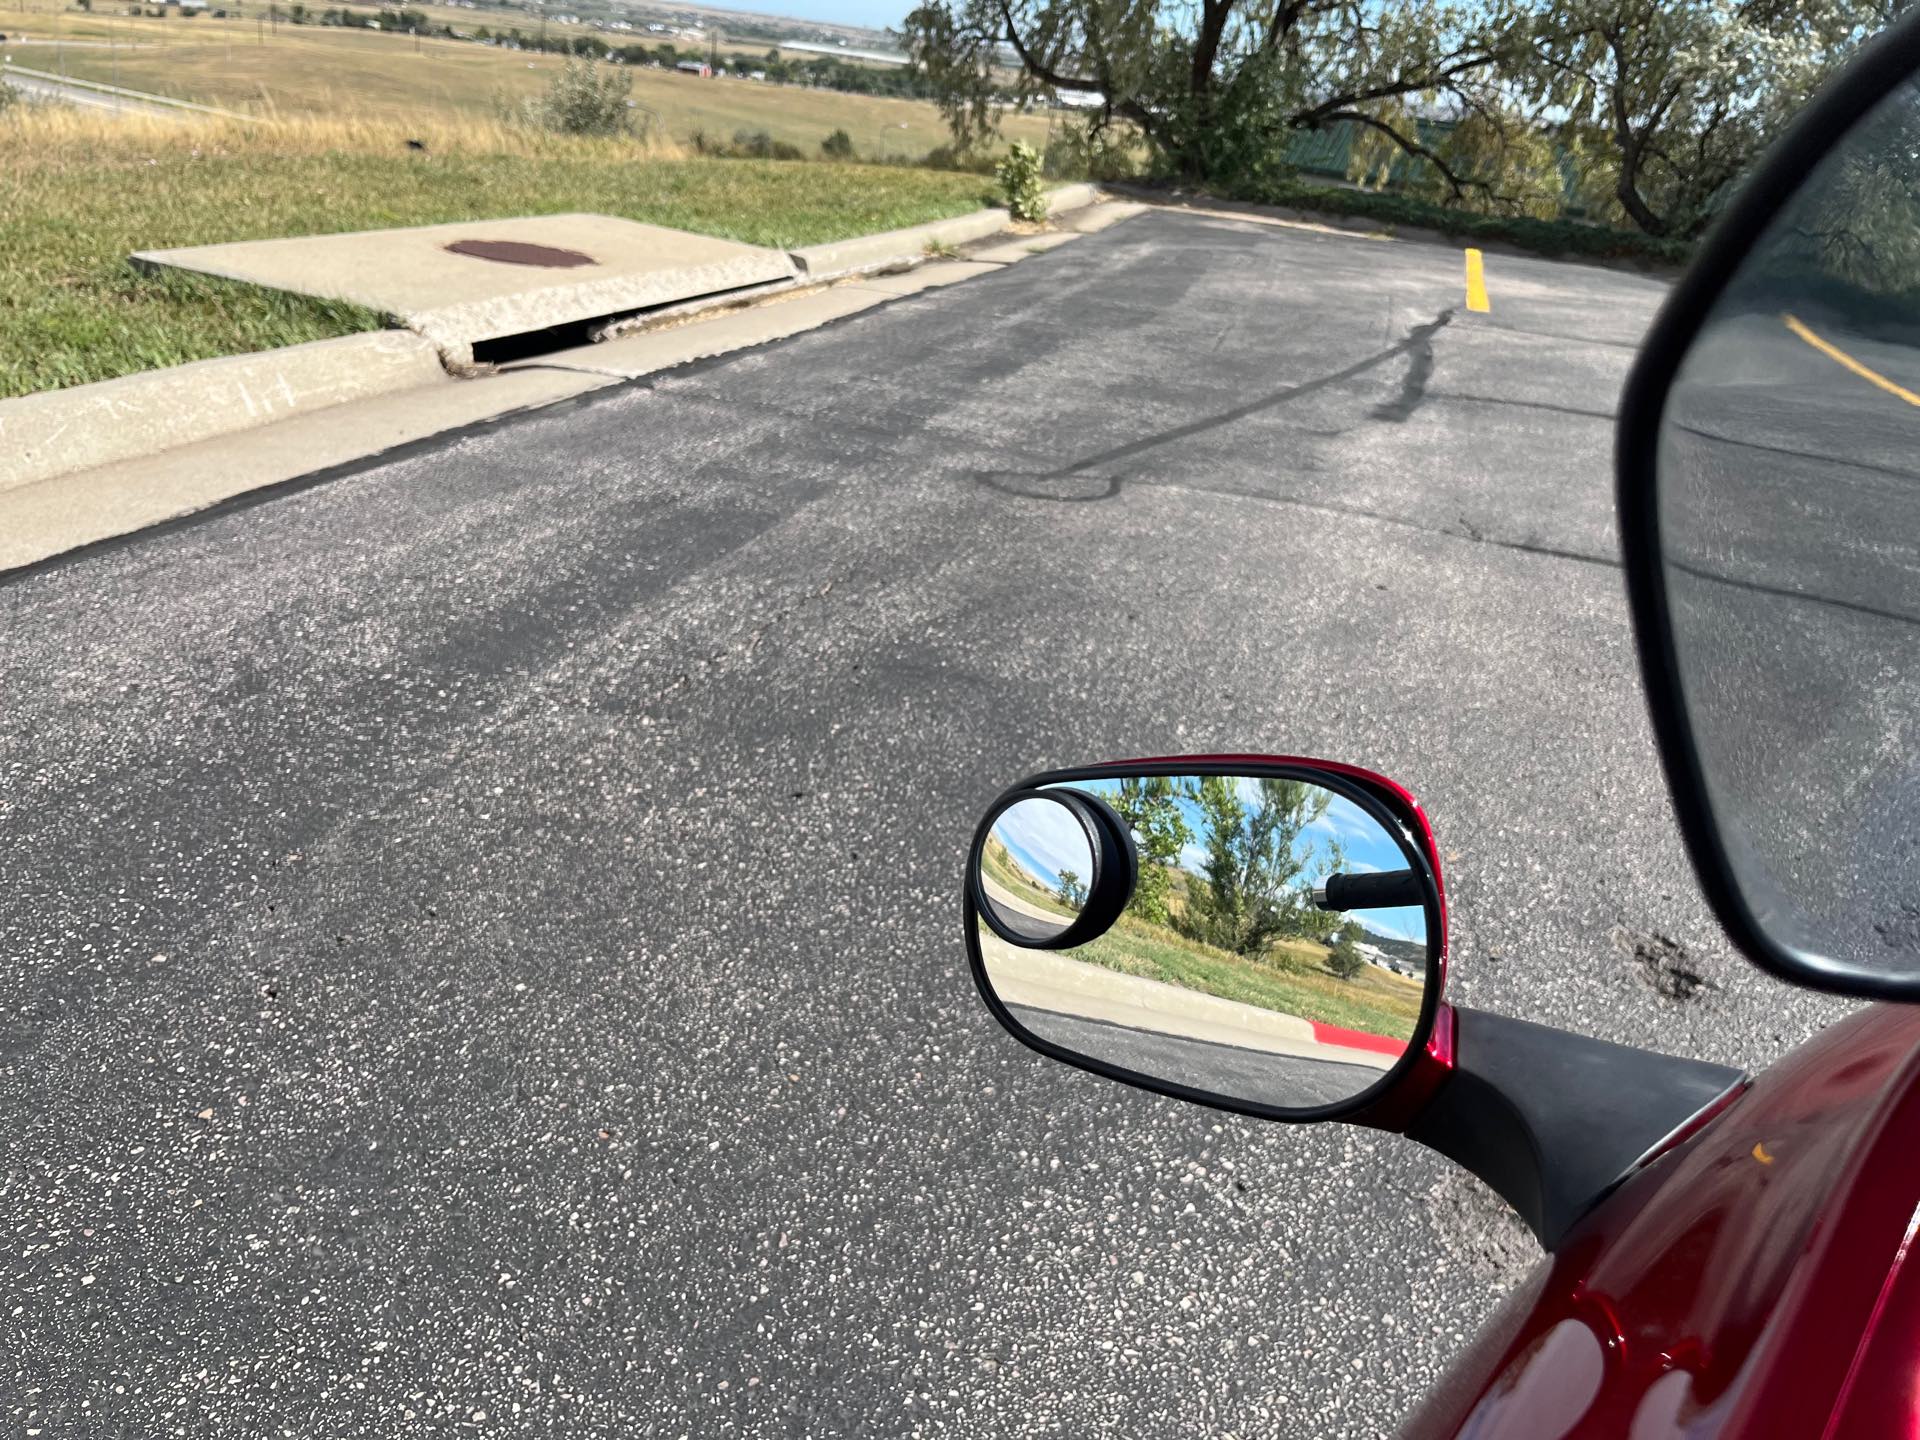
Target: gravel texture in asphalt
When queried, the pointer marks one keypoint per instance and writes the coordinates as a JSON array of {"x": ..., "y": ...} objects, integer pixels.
[{"x": 482, "y": 931}]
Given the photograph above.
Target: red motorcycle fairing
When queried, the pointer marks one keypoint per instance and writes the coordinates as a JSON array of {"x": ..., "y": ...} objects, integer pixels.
[{"x": 1751, "y": 1281}]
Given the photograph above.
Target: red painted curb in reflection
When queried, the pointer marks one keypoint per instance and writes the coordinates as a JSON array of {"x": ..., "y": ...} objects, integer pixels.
[{"x": 1357, "y": 1039}]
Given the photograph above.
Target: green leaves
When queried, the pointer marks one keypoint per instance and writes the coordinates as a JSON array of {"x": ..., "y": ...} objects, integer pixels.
[
  {"x": 1630, "y": 111},
  {"x": 1019, "y": 176},
  {"x": 1251, "y": 896}
]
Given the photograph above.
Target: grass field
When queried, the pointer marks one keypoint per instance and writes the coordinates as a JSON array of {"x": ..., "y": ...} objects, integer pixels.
[
  {"x": 1012, "y": 876},
  {"x": 1375, "y": 1001},
  {"x": 310, "y": 70},
  {"x": 79, "y": 191},
  {"x": 1289, "y": 979}
]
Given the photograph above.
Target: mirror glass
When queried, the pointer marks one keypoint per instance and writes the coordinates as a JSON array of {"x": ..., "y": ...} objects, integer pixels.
[
  {"x": 1224, "y": 973},
  {"x": 1035, "y": 868},
  {"x": 1789, "y": 516}
]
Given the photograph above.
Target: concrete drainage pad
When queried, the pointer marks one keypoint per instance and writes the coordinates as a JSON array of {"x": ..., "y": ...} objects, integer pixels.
[{"x": 464, "y": 284}]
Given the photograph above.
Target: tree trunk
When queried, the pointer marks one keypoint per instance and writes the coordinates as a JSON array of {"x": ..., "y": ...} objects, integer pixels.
[{"x": 1627, "y": 191}]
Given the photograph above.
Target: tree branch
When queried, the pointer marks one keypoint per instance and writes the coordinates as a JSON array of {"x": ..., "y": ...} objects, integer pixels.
[
  {"x": 1326, "y": 109},
  {"x": 1456, "y": 181},
  {"x": 1033, "y": 63}
]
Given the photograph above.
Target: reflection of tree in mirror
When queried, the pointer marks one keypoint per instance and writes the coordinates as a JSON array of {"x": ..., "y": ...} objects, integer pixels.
[
  {"x": 1150, "y": 806},
  {"x": 1266, "y": 845},
  {"x": 1852, "y": 233},
  {"x": 1252, "y": 892},
  {"x": 1072, "y": 893},
  {"x": 1344, "y": 960}
]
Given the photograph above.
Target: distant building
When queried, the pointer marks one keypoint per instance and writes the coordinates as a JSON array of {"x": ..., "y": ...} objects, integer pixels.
[{"x": 696, "y": 67}]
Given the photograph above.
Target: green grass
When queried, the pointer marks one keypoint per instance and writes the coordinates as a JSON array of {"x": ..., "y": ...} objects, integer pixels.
[
  {"x": 1376, "y": 1002},
  {"x": 999, "y": 863},
  {"x": 77, "y": 194}
]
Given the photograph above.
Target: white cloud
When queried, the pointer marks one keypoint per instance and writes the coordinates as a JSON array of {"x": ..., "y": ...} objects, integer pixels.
[{"x": 1044, "y": 833}]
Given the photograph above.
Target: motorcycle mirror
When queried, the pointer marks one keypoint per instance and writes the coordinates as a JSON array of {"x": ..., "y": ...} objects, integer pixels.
[
  {"x": 1770, "y": 518},
  {"x": 1266, "y": 937}
]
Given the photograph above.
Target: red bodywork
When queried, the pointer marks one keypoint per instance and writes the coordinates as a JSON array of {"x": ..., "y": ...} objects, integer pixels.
[
  {"x": 1752, "y": 1281},
  {"x": 1755, "y": 1278}
]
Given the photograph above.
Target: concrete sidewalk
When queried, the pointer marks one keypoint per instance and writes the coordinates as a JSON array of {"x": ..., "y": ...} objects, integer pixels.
[
  {"x": 1053, "y": 980},
  {"x": 267, "y": 419}
]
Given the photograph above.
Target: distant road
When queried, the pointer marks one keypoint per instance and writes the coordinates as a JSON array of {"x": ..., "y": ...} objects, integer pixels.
[{"x": 45, "y": 85}]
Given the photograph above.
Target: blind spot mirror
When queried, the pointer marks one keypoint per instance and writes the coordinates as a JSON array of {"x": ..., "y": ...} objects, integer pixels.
[
  {"x": 1265, "y": 938},
  {"x": 1055, "y": 869},
  {"x": 1770, "y": 512}
]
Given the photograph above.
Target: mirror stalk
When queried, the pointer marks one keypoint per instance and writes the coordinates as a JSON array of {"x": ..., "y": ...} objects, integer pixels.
[{"x": 1553, "y": 1121}]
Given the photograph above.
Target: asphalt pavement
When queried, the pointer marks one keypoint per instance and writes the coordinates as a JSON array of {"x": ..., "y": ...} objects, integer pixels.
[
  {"x": 483, "y": 928},
  {"x": 1261, "y": 1076}
]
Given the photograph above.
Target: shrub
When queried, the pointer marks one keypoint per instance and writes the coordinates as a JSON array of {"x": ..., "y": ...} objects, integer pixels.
[
  {"x": 759, "y": 145},
  {"x": 586, "y": 98},
  {"x": 1081, "y": 152},
  {"x": 963, "y": 160},
  {"x": 1019, "y": 176},
  {"x": 837, "y": 146},
  {"x": 1546, "y": 237},
  {"x": 9, "y": 97}
]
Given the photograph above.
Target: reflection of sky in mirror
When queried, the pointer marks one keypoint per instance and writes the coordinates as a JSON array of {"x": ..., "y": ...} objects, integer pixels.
[
  {"x": 1046, "y": 840},
  {"x": 1365, "y": 846}
]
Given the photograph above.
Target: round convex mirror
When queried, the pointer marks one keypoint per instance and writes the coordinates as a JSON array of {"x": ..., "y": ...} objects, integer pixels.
[{"x": 1035, "y": 869}]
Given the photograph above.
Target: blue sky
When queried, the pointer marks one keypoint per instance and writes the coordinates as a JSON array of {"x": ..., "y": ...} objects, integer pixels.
[
  {"x": 1366, "y": 847},
  {"x": 1046, "y": 839},
  {"x": 877, "y": 13}
]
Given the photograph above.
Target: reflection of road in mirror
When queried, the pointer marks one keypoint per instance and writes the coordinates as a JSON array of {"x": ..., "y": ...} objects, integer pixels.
[
  {"x": 1186, "y": 1036},
  {"x": 1225, "y": 972},
  {"x": 1035, "y": 867},
  {"x": 1789, "y": 480}
]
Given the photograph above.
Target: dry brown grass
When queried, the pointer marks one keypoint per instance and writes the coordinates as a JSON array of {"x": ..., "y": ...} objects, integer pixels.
[{"x": 51, "y": 137}]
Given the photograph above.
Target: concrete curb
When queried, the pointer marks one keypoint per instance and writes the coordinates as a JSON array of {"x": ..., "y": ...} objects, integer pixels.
[
  {"x": 896, "y": 247},
  {"x": 58, "y": 431},
  {"x": 86, "y": 427},
  {"x": 1372, "y": 229},
  {"x": 893, "y": 248}
]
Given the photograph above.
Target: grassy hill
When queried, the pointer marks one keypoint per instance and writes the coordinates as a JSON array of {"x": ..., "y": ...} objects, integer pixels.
[{"x": 325, "y": 72}]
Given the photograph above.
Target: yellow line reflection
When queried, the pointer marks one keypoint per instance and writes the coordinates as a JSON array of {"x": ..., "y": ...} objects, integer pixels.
[{"x": 1840, "y": 357}]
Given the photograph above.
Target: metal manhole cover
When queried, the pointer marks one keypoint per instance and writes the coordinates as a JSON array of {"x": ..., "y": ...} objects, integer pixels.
[{"x": 520, "y": 252}]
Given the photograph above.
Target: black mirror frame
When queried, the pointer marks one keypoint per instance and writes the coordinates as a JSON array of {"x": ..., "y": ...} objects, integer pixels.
[
  {"x": 1888, "y": 62},
  {"x": 1402, "y": 828},
  {"x": 1113, "y": 871}
]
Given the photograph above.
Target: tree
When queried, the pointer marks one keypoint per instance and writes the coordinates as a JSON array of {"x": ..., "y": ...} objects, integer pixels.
[
  {"x": 1253, "y": 893},
  {"x": 1072, "y": 893},
  {"x": 1344, "y": 960},
  {"x": 1217, "y": 90},
  {"x": 1149, "y": 805},
  {"x": 1854, "y": 229},
  {"x": 1672, "y": 100}
]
